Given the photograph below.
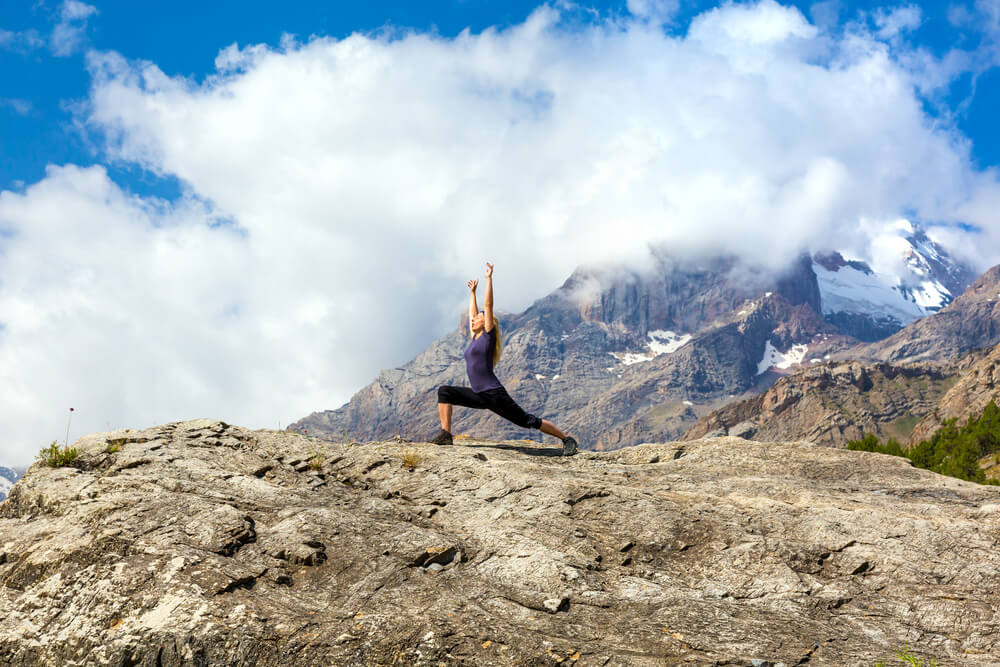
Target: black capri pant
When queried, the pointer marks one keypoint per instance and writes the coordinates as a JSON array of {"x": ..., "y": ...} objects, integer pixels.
[{"x": 497, "y": 400}]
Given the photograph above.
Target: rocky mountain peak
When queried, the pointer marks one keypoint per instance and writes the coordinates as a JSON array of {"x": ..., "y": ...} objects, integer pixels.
[
  {"x": 916, "y": 277},
  {"x": 675, "y": 294}
]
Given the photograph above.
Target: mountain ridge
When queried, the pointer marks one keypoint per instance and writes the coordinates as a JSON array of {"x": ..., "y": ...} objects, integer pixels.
[
  {"x": 618, "y": 356},
  {"x": 904, "y": 387}
]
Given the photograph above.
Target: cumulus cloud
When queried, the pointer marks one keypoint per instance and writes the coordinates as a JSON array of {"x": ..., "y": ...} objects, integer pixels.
[
  {"x": 69, "y": 34},
  {"x": 341, "y": 192}
]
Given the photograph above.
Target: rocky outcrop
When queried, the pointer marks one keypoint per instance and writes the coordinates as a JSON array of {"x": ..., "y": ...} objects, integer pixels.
[
  {"x": 832, "y": 403},
  {"x": 199, "y": 543},
  {"x": 970, "y": 322},
  {"x": 978, "y": 384}
]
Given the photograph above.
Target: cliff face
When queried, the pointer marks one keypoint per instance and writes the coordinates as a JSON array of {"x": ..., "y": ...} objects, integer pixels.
[
  {"x": 978, "y": 384},
  {"x": 200, "y": 543},
  {"x": 833, "y": 403},
  {"x": 970, "y": 322}
]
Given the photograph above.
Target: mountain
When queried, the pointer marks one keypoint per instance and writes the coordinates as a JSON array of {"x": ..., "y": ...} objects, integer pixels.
[
  {"x": 903, "y": 398},
  {"x": 921, "y": 279},
  {"x": 614, "y": 356},
  {"x": 833, "y": 403},
  {"x": 978, "y": 384},
  {"x": 203, "y": 543},
  {"x": 970, "y": 322},
  {"x": 8, "y": 477},
  {"x": 617, "y": 356}
]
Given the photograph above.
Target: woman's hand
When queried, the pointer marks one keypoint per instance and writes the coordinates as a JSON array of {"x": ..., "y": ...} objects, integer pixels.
[
  {"x": 472, "y": 285},
  {"x": 489, "y": 270}
]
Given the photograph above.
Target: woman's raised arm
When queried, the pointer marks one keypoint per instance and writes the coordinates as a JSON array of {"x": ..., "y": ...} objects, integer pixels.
[
  {"x": 473, "y": 308},
  {"x": 488, "y": 300}
]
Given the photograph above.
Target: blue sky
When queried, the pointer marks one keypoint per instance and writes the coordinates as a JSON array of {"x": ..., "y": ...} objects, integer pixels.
[
  {"x": 183, "y": 37},
  {"x": 202, "y": 217}
]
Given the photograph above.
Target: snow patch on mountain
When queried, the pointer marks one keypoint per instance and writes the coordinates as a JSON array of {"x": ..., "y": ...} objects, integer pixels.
[
  {"x": 660, "y": 342},
  {"x": 849, "y": 289},
  {"x": 773, "y": 358},
  {"x": 665, "y": 342}
]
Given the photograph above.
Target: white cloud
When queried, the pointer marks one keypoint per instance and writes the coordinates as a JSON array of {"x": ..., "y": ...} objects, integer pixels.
[
  {"x": 366, "y": 179},
  {"x": 69, "y": 34},
  {"x": 895, "y": 22},
  {"x": 21, "y": 42}
]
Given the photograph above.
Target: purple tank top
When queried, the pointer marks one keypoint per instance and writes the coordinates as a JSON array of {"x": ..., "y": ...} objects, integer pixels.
[{"x": 479, "y": 362}]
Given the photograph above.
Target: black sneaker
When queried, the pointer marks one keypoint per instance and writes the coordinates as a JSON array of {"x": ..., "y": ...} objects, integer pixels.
[
  {"x": 569, "y": 447},
  {"x": 442, "y": 438}
]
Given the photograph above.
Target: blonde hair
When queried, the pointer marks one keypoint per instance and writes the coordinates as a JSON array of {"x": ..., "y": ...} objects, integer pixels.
[{"x": 498, "y": 350}]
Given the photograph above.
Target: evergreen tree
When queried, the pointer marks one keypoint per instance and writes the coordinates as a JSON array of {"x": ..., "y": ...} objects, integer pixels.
[{"x": 951, "y": 450}]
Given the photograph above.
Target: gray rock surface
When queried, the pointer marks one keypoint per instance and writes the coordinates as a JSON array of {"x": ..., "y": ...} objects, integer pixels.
[{"x": 200, "y": 543}]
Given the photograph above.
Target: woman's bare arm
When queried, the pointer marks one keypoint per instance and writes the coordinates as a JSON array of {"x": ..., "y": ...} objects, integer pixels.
[
  {"x": 473, "y": 308},
  {"x": 488, "y": 300}
]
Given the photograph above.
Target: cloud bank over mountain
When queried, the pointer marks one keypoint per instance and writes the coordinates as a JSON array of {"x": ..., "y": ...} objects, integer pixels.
[{"x": 339, "y": 192}]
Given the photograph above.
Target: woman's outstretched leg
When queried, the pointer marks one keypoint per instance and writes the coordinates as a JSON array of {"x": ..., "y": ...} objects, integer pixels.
[{"x": 552, "y": 429}]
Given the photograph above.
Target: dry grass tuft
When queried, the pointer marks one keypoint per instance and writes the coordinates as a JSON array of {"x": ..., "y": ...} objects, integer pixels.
[{"x": 410, "y": 457}]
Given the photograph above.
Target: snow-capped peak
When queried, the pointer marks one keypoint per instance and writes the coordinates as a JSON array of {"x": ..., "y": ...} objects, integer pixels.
[{"x": 904, "y": 276}]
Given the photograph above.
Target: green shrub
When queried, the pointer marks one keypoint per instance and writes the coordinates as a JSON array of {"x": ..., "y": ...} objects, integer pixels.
[
  {"x": 907, "y": 659},
  {"x": 54, "y": 457},
  {"x": 951, "y": 451}
]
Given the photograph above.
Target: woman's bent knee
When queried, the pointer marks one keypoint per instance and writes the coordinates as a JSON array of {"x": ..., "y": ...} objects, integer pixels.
[{"x": 532, "y": 422}]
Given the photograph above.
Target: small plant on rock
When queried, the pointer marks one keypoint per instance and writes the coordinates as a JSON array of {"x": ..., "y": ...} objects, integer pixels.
[
  {"x": 410, "y": 458},
  {"x": 55, "y": 457},
  {"x": 316, "y": 461},
  {"x": 907, "y": 659}
]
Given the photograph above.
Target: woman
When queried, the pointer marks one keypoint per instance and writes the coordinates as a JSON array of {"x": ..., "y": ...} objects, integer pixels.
[{"x": 487, "y": 392}]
